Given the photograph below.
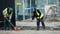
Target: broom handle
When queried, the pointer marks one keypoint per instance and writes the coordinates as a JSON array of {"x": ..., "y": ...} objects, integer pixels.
[{"x": 10, "y": 23}]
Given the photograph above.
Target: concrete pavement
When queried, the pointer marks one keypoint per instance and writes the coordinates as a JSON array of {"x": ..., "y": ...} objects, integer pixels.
[
  {"x": 49, "y": 24},
  {"x": 34, "y": 31},
  {"x": 30, "y": 32}
]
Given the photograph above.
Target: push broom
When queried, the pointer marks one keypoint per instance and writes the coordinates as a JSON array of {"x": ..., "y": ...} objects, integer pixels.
[{"x": 15, "y": 28}]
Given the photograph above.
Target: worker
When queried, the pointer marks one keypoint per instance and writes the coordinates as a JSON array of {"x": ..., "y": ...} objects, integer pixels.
[
  {"x": 7, "y": 13},
  {"x": 39, "y": 16}
]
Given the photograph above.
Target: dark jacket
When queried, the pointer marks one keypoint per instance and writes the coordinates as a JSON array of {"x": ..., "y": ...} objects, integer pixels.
[{"x": 34, "y": 14}]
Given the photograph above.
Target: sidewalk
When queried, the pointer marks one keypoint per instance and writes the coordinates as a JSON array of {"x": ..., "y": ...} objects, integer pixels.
[
  {"x": 30, "y": 32},
  {"x": 49, "y": 24},
  {"x": 33, "y": 24}
]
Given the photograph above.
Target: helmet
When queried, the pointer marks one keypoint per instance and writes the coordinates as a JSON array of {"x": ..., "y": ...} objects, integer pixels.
[
  {"x": 10, "y": 9},
  {"x": 37, "y": 8}
]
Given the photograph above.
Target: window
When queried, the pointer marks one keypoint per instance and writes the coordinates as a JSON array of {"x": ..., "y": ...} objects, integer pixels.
[{"x": 52, "y": 2}]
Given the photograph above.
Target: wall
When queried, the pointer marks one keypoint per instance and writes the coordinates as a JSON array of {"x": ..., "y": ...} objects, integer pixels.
[{"x": 3, "y": 5}]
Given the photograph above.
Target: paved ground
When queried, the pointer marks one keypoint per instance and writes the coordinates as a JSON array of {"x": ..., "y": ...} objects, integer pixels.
[
  {"x": 30, "y": 28},
  {"x": 48, "y": 24},
  {"x": 30, "y": 32},
  {"x": 32, "y": 25}
]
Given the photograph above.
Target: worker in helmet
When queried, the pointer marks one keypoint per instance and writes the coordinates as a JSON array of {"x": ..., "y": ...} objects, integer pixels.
[
  {"x": 39, "y": 16},
  {"x": 7, "y": 13}
]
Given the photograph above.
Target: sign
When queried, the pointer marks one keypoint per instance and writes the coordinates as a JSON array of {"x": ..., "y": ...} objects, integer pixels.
[{"x": 18, "y": 3}]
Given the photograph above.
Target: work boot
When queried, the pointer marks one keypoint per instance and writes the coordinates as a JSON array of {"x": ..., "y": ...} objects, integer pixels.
[{"x": 37, "y": 28}]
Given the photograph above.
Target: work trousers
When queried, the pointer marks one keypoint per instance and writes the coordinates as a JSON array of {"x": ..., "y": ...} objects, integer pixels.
[
  {"x": 7, "y": 25},
  {"x": 38, "y": 24}
]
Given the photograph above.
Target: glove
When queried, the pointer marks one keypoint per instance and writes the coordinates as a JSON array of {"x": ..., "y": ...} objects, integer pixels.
[
  {"x": 31, "y": 20},
  {"x": 10, "y": 17},
  {"x": 9, "y": 20},
  {"x": 37, "y": 17}
]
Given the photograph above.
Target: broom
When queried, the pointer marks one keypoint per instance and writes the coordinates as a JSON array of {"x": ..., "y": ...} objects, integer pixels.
[{"x": 15, "y": 28}]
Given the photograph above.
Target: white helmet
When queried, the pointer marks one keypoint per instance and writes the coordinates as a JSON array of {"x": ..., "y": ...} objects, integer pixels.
[{"x": 37, "y": 8}]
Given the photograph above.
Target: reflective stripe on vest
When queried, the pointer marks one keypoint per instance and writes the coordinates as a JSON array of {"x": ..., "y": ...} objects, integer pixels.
[
  {"x": 37, "y": 13},
  {"x": 5, "y": 12},
  {"x": 41, "y": 14}
]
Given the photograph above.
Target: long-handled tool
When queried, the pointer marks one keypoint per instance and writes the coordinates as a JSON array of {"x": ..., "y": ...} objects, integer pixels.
[{"x": 15, "y": 28}]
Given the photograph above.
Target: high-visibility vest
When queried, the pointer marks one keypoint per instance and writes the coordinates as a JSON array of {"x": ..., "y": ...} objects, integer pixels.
[
  {"x": 41, "y": 15},
  {"x": 5, "y": 13}
]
